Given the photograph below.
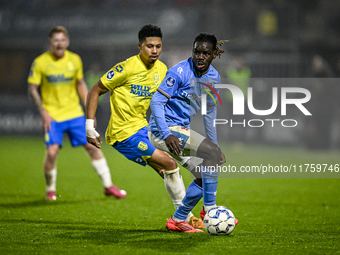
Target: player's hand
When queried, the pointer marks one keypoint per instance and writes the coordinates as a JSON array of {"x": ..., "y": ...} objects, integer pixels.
[
  {"x": 173, "y": 144},
  {"x": 222, "y": 160},
  {"x": 46, "y": 118},
  {"x": 92, "y": 136}
]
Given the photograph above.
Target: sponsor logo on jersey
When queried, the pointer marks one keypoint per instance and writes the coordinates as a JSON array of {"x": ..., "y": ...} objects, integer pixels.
[
  {"x": 110, "y": 74},
  {"x": 180, "y": 70},
  {"x": 139, "y": 160},
  {"x": 119, "y": 68},
  {"x": 142, "y": 146},
  {"x": 58, "y": 78},
  {"x": 139, "y": 90},
  {"x": 170, "y": 82}
]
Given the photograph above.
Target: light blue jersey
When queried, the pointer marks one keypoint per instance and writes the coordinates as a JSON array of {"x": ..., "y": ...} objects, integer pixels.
[{"x": 178, "y": 99}]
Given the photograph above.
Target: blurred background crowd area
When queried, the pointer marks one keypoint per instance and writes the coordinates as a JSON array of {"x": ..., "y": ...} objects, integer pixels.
[
  {"x": 276, "y": 38},
  {"x": 268, "y": 38}
]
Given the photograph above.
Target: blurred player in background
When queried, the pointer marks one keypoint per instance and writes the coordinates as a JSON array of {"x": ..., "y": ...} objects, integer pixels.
[
  {"x": 131, "y": 84},
  {"x": 173, "y": 106},
  {"x": 239, "y": 75},
  {"x": 59, "y": 74}
]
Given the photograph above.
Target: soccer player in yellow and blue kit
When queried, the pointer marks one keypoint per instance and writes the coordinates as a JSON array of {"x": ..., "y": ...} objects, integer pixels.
[
  {"x": 132, "y": 84},
  {"x": 59, "y": 74}
]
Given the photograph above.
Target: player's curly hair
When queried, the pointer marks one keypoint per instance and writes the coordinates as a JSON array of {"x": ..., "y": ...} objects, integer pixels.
[
  {"x": 149, "y": 31},
  {"x": 58, "y": 29},
  {"x": 211, "y": 38}
]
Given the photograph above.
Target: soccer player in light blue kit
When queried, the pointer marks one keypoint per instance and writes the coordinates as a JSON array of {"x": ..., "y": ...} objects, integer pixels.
[{"x": 173, "y": 105}]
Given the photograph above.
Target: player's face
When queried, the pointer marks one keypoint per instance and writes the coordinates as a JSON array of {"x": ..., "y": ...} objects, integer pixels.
[
  {"x": 202, "y": 55},
  {"x": 58, "y": 44},
  {"x": 150, "y": 49}
]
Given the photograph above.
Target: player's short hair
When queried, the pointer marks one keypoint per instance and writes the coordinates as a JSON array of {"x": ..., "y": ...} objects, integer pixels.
[
  {"x": 149, "y": 31},
  {"x": 205, "y": 37},
  {"x": 58, "y": 29},
  {"x": 211, "y": 38}
]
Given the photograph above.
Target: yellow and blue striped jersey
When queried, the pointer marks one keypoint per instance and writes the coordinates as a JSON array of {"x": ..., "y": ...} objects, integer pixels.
[
  {"x": 131, "y": 85},
  {"x": 57, "y": 79}
]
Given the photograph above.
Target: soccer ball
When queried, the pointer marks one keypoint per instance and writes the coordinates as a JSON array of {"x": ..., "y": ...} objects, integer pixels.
[{"x": 219, "y": 221}]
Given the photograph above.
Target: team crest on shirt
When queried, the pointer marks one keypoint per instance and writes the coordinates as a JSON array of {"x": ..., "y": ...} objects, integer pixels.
[
  {"x": 170, "y": 82},
  {"x": 110, "y": 74},
  {"x": 142, "y": 146},
  {"x": 119, "y": 68},
  {"x": 156, "y": 77},
  {"x": 70, "y": 65}
]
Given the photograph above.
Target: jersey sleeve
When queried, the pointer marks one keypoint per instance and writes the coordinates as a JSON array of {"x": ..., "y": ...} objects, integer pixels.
[
  {"x": 164, "y": 92},
  {"x": 35, "y": 74},
  {"x": 115, "y": 77},
  {"x": 170, "y": 84}
]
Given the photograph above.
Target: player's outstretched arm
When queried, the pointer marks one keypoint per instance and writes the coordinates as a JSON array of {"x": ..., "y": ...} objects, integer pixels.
[
  {"x": 34, "y": 96},
  {"x": 91, "y": 107},
  {"x": 82, "y": 90}
]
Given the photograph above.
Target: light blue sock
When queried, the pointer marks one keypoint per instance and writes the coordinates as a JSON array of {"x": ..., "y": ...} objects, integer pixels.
[
  {"x": 193, "y": 195},
  {"x": 209, "y": 180}
]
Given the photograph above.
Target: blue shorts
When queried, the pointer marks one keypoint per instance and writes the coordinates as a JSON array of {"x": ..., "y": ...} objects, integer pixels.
[
  {"x": 75, "y": 128},
  {"x": 137, "y": 147}
]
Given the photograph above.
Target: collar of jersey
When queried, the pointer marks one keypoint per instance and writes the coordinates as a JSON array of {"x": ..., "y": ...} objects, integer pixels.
[
  {"x": 58, "y": 59},
  {"x": 140, "y": 59}
]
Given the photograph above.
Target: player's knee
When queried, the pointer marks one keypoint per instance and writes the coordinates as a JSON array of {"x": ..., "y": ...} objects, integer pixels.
[
  {"x": 52, "y": 156},
  {"x": 215, "y": 153},
  {"x": 93, "y": 151},
  {"x": 162, "y": 160},
  {"x": 170, "y": 164},
  {"x": 52, "y": 152},
  {"x": 210, "y": 151}
]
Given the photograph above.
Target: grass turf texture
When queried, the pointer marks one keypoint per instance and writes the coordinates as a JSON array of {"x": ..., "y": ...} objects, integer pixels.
[{"x": 277, "y": 216}]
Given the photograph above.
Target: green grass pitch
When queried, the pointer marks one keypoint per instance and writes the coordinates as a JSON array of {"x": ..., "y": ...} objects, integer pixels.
[{"x": 277, "y": 215}]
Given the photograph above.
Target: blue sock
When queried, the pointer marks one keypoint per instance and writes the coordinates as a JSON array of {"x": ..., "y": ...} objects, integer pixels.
[
  {"x": 193, "y": 195},
  {"x": 209, "y": 180}
]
